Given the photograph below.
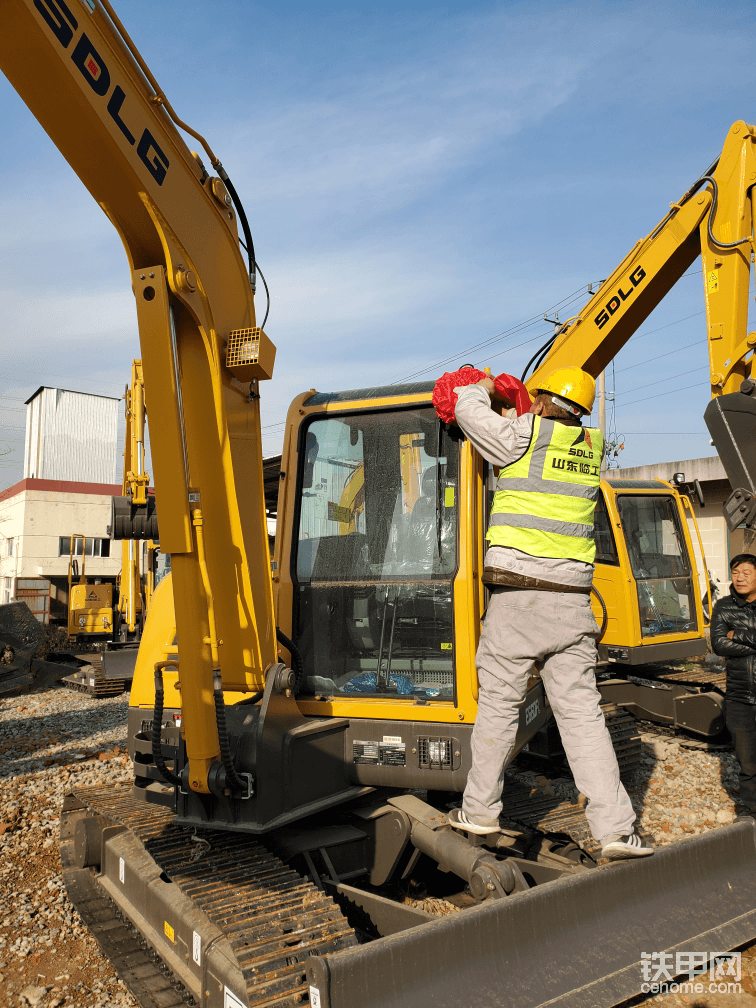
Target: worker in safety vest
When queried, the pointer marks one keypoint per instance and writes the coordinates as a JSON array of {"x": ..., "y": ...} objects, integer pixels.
[{"x": 539, "y": 567}]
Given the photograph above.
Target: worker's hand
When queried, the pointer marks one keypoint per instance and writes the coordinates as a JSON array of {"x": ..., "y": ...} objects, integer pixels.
[
  {"x": 488, "y": 383},
  {"x": 731, "y": 634}
]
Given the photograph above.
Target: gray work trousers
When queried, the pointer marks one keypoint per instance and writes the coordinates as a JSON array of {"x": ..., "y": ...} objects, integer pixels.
[{"x": 557, "y": 632}]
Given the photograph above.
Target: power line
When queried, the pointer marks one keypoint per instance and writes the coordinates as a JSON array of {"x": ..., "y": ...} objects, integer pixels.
[
  {"x": 669, "y": 378},
  {"x": 659, "y": 357},
  {"x": 671, "y": 392},
  {"x": 524, "y": 325},
  {"x": 505, "y": 334}
]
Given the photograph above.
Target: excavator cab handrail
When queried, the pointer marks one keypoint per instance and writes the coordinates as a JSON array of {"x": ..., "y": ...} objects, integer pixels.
[{"x": 687, "y": 503}]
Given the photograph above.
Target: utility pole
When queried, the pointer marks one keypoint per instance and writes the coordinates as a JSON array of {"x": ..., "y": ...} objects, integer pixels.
[{"x": 602, "y": 413}]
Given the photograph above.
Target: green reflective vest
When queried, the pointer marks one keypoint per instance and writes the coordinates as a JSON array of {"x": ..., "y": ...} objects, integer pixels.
[{"x": 544, "y": 502}]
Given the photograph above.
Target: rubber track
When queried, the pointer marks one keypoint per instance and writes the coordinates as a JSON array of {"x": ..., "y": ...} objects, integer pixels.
[
  {"x": 555, "y": 815},
  {"x": 623, "y": 729},
  {"x": 273, "y": 918},
  {"x": 701, "y": 677},
  {"x": 550, "y": 815},
  {"x": 101, "y": 689}
]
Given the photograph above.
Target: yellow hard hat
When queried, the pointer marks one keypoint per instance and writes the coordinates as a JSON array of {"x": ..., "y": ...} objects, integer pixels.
[{"x": 570, "y": 383}]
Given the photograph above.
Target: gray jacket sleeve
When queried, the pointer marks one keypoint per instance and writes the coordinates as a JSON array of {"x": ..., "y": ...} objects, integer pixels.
[{"x": 500, "y": 440}]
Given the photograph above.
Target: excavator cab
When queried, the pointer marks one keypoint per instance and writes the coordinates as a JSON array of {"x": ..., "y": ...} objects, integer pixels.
[
  {"x": 643, "y": 540},
  {"x": 375, "y": 555}
]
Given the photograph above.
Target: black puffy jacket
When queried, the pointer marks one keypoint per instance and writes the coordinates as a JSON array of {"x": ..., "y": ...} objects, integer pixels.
[{"x": 734, "y": 613}]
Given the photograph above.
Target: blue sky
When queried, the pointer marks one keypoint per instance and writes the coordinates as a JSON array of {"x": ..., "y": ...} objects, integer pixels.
[{"x": 419, "y": 179}]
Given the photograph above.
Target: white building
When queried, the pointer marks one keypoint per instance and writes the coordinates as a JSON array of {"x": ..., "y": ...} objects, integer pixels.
[
  {"x": 70, "y": 473},
  {"x": 37, "y": 519},
  {"x": 71, "y": 436}
]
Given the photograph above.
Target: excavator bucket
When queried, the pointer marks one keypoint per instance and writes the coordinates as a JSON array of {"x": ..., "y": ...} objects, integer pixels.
[
  {"x": 578, "y": 942},
  {"x": 731, "y": 420}
]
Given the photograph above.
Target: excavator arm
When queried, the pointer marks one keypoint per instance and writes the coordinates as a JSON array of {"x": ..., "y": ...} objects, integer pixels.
[
  {"x": 135, "y": 483},
  {"x": 713, "y": 219},
  {"x": 79, "y": 73}
]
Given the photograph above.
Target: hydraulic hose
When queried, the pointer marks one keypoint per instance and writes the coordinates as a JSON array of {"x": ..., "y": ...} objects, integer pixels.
[
  {"x": 233, "y": 780},
  {"x": 296, "y": 660},
  {"x": 712, "y": 214},
  {"x": 157, "y": 723},
  {"x": 248, "y": 701},
  {"x": 249, "y": 244},
  {"x": 604, "y": 614},
  {"x": 539, "y": 355}
]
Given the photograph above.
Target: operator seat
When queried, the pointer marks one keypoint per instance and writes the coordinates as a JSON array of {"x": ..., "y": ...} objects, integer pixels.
[{"x": 421, "y": 538}]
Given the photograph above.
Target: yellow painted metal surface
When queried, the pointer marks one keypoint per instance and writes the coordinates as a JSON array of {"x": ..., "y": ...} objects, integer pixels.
[
  {"x": 618, "y": 586},
  {"x": 90, "y": 606},
  {"x": 159, "y": 644},
  {"x": 650, "y": 270},
  {"x": 102, "y": 108},
  {"x": 90, "y": 609}
]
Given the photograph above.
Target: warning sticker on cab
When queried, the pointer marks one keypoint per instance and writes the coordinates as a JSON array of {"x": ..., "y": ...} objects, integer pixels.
[{"x": 170, "y": 933}]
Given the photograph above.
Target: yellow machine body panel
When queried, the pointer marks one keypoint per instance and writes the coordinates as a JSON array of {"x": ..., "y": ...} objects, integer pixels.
[
  {"x": 90, "y": 609},
  {"x": 158, "y": 644},
  {"x": 645, "y": 573}
]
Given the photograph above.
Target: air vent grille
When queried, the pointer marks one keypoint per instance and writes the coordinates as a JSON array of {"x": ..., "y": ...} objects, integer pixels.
[{"x": 436, "y": 752}]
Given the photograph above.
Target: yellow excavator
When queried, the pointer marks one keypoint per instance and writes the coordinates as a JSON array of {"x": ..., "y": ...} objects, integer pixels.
[
  {"x": 92, "y": 614},
  {"x": 296, "y": 732},
  {"x": 132, "y": 604},
  {"x": 90, "y": 605}
]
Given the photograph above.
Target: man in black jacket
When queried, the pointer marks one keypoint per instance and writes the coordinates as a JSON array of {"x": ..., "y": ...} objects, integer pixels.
[{"x": 733, "y": 635}]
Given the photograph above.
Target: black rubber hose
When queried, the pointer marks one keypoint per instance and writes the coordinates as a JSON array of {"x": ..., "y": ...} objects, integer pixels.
[
  {"x": 250, "y": 245},
  {"x": 541, "y": 351},
  {"x": 233, "y": 781},
  {"x": 604, "y": 616},
  {"x": 296, "y": 660},
  {"x": 255, "y": 698},
  {"x": 157, "y": 723},
  {"x": 712, "y": 213}
]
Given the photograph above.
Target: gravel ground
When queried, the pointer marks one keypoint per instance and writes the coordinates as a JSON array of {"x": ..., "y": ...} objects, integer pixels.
[
  {"x": 56, "y": 739},
  {"x": 51, "y": 741}
]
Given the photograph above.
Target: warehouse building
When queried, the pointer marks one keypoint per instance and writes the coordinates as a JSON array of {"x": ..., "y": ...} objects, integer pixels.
[{"x": 70, "y": 472}]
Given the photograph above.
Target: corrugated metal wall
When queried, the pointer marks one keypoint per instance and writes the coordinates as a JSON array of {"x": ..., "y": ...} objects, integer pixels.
[{"x": 71, "y": 436}]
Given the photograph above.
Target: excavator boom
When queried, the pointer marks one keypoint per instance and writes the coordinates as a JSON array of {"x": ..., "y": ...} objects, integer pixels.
[
  {"x": 79, "y": 73},
  {"x": 713, "y": 219}
]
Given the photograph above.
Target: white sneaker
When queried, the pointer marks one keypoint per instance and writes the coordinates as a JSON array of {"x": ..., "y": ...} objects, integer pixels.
[
  {"x": 459, "y": 820},
  {"x": 629, "y": 846}
]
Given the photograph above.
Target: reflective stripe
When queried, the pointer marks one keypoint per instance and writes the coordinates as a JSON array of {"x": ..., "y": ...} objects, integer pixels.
[
  {"x": 542, "y": 524},
  {"x": 545, "y": 501},
  {"x": 534, "y": 485}
]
